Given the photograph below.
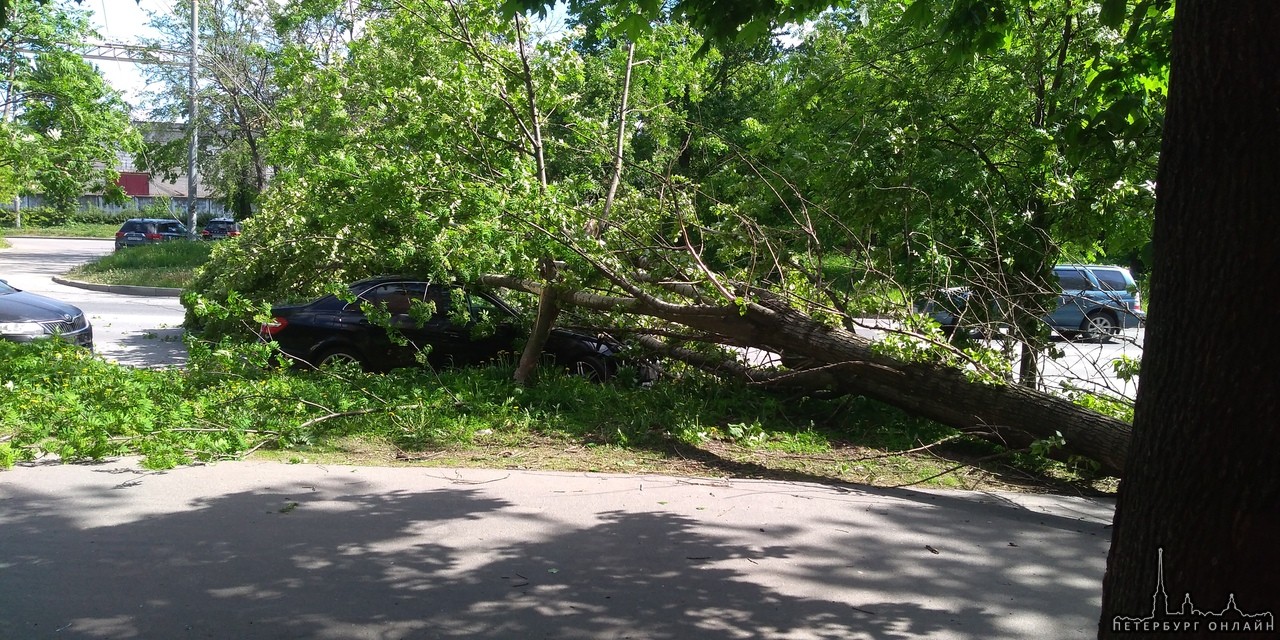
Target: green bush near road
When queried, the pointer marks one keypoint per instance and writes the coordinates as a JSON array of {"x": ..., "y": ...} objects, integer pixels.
[
  {"x": 165, "y": 264},
  {"x": 55, "y": 398}
]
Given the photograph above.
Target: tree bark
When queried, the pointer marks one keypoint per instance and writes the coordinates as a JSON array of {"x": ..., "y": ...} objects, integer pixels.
[
  {"x": 1016, "y": 414},
  {"x": 1203, "y": 483},
  {"x": 548, "y": 311},
  {"x": 622, "y": 141}
]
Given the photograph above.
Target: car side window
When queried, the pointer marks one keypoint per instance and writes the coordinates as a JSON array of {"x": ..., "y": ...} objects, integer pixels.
[
  {"x": 399, "y": 298},
  {"x": 394, "y": 297},
  {"x": 481, "y": 305},
  {"x": 1073, "y": 280}
]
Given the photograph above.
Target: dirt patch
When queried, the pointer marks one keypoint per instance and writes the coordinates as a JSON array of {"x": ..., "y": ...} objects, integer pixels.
[{"x": 944, "y": 467}]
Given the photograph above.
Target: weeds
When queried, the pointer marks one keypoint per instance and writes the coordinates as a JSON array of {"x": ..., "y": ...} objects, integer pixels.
[
  {"x": 233, "y": 400},
  {"x": 165, "y": 264}
]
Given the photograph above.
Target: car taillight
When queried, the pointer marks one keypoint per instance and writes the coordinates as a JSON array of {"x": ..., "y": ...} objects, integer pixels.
[
  {"x": 205, "y": 233},
  {"x": 154, "y": 236},
  {"x": 119, "y": 234},
  {"x": 233, "y": 233},
  {"x": 274, "y": 326},
  {"x": 1137, "y": 303}
]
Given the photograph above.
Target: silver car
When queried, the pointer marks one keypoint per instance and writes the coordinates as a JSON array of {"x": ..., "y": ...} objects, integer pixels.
[{"x": 26, "y": 316}]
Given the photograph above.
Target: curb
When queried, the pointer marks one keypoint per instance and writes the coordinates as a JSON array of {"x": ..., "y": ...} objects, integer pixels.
[{"x": 125, "y": 289}]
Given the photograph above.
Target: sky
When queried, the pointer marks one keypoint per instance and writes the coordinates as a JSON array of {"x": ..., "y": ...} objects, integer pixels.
[{"x": 123, "y": 21}]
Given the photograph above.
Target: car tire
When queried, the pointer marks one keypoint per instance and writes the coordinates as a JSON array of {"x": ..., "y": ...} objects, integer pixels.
[
  {"x": 1099, "y": 326},
  {"x": 336, "y": 355},
  {"x": 592, "y": 368}
]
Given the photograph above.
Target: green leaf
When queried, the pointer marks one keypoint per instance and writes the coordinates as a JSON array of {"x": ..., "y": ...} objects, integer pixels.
[
  {"x": 1113, "y": 13},
  {"x": 918, "y": 13},
  {"x": 634, "y": 26}
]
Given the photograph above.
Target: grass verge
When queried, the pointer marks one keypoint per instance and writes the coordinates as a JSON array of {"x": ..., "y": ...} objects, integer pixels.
[
  {"x": 166, "y": 264},
  {"x": 82, "y": 230},
  {"x": 56, "y": 399}
]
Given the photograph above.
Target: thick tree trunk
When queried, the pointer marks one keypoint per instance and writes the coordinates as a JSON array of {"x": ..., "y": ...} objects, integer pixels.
[
  {"x": 1203, "y": 484},
  {"x": 548, "y": 311},
  {"x": 1017, "y": 414}
]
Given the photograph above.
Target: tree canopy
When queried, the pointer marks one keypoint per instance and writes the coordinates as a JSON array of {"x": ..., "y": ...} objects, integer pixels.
[{"x": 62, "y": 125}]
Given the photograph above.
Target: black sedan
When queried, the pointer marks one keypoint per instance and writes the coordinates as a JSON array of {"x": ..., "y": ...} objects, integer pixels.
[
  {"x": 26, "y": 316},
  {"x": 455, "y": 327}
]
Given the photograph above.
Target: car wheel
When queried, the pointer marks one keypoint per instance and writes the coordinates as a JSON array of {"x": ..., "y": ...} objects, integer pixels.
[
  {"x": 1099, "y": 326},
  {"x": 338, "y": 356},
  {"x": 591, "y": 368}
]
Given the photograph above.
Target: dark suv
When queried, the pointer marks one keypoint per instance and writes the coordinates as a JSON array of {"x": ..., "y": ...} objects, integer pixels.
[
  {"x": 219, "y": 228},
  {"x": 136, "y": 231}
]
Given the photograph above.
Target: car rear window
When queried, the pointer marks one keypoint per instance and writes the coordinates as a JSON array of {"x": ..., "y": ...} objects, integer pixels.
[{"x": 1112, "y": 279}]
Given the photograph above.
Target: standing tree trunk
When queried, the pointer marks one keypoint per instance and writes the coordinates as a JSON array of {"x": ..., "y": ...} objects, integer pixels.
[{"x": 1203, "y": 482}]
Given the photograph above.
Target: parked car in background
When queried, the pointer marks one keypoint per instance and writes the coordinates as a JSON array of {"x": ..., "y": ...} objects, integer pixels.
[
  {"x": 26, "y": 316},
  {"x": 220, "y": 228},
  {"x": 459, "y": 327},
  {"x": 139, "y": 231},
  {"x": 1095, "y": 302}
]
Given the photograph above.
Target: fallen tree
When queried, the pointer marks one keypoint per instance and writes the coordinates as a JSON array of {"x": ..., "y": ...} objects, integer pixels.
[
  {"x": 838, "y": 358},
  {"x": 631, "y": 170}
]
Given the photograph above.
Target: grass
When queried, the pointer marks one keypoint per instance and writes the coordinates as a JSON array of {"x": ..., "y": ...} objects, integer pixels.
[
  {"x": 226, "y": 404},
  {"x": 80, "y": 230},
  {"x": 166, "y": 264}
]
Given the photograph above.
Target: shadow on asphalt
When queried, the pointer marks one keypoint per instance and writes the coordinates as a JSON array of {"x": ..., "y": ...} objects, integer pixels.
[
  {"x": 321, "y": 561},
  {"x": 150, "y": 348}
]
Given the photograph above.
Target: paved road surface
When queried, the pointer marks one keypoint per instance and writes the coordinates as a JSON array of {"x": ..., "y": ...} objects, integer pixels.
[
  {"x": 133, "y": 330},
  {"x": 252, "y": 550}
]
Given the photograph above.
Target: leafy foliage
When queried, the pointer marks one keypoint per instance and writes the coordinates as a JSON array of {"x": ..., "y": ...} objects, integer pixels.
[
  {"x": 59, "y": 399},
  {"x": 62, "y": 125}
]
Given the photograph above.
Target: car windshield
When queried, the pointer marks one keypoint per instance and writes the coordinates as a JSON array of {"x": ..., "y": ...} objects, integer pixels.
[{"x": 5, "y": 289}]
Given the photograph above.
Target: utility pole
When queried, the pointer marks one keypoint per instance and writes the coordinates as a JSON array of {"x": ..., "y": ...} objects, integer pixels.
[
  {"x": 10, "y": 113},
  {"x": 192, "y": 110}
]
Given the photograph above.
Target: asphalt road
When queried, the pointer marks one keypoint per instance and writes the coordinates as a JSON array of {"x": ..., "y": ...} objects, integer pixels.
[
  {"x": 256, "y": 550},
  {"x": 133, "y": 330},
  {"x": 1079, "y": 365}
]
